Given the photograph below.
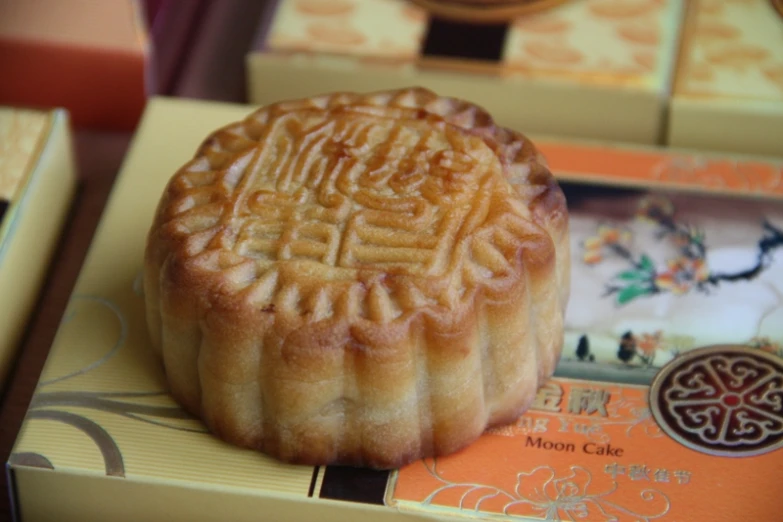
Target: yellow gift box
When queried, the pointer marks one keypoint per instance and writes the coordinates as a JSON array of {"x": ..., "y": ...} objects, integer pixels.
[
  {"x": 598, "y": 69},
  {"x": 37, "y": 181},
  {"x": 729, "y": 87},
  {"x": 103, "y": 440}
]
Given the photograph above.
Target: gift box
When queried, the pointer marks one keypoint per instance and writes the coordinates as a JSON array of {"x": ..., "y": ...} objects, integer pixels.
[
  {"x": 598, "y": 69},
  {"x": 657, "y": 274},
  {"x": 37, "y": 181},
  {"x": 89, "y": 57},
  {"x": 729, "y": 87},
  {"x": 99, "y": 60}
]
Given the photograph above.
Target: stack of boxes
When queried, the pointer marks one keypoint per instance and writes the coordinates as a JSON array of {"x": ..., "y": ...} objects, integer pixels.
[{"x": 701, "y": 74}]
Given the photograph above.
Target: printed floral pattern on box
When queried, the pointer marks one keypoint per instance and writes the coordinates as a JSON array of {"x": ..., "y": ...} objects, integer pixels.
[
  {"x": 734, "y": 48},
  {"x": 656, "y": 275},
  {"x": 380, "y": 28},
  {"x": 632, "y": 38}
]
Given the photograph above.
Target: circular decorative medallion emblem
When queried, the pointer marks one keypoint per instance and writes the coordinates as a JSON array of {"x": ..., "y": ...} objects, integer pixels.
[{"x": 722, "y": 400}]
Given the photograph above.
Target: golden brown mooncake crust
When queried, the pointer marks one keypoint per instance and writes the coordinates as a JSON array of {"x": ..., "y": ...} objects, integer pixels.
[{"x": 359, "y": 279}]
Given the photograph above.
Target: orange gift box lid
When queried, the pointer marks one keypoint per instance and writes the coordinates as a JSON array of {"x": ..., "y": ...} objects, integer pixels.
[{"x": 89, "y": 57}]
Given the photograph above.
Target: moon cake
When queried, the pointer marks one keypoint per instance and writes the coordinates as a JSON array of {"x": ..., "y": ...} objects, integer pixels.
[{"x": 355, "y": 279}]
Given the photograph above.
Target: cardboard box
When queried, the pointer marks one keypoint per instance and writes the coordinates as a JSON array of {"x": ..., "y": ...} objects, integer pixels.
[
  {"x": 729, "y": 87},
  {"x": 99, "y": 60},
  {"x": 93, "y": 58},
  {"x": 598, "y": 69},
  {"x": 37, "y": 181},
  {"x": 104, "y": 440}
]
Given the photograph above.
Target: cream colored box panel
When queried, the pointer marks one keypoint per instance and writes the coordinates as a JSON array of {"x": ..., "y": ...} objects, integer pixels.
[
  {"x": 37, "y": 182},
  {"x": 592, "y": 69},
  {"x": 729, "y": 86}
]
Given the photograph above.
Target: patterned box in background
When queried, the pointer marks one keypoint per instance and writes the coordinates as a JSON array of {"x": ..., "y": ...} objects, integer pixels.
[
  {"x": 655, "y": 275},
  {"x": 599, "y": 69},
  {"x": 37, "y": 181},
  {"x": 729, "y": 88}
]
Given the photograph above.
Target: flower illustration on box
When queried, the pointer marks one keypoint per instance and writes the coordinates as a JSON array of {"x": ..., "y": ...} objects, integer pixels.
[
  {"x": 686, "y": 272},
  {"x": 545, "y": 494},
  {"x": 656, "y": 275}
]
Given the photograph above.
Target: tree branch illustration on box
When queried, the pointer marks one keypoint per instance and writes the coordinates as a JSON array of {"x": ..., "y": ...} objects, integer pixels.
[
  {"x": 686, "y": 272},
  {"x": 154, "y": 407},
  {"x": 544, "y": 494}
]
